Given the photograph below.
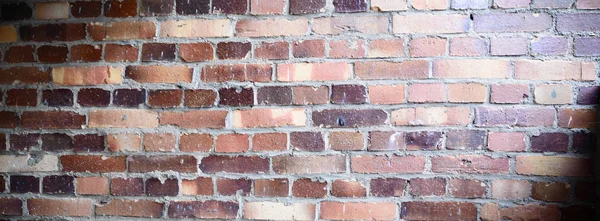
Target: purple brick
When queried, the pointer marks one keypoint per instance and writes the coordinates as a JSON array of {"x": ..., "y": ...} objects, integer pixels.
[
  {"x": 24, "y": 141},
  {"x": 510, "y": 116},
  {"x": 155, "y": 187},
  {"x": 57, "y": 98},
  {"x": 587, "y": 46},
  {"x": 349, "y": 118},
  {"x": 549, "y": 46},
  {"x": 306, "y": 6},
  {"x": 465, "y": 140},
  {"x": 350, "y": 5},
  {"x": 582, "y": 22},
  {"x": 307, "y": 141},
  {"x": 24, "y": 184},
  {"x": 129, "y": 97},
  {"x": 275, "y": 95},
  {"x": 469, "y": 4},
  {"x": 388, "y": 187},
  {"x": 514, "y": 22},
  {"x": 189, "y": 7},
  {"x": 230, "y": 6},
  {"x": 58, "y": 185},
  {"x": 512, "y": 3},
  {"x": 584, "y": 142},
  {"x": 424, "y": 140},
  {"x": 56, "y": 142},
  {"x": 508, "y": 46},
  {"x": 88, "y": 143},
  {"x": 552, "y": 3},
  {"x": 236, "y": 97},
  {"x": 156, "y": 7},
  {"x": 348, "y": 94},
  {"x": 588, "y": 95},
  {"x": 93, "y": 97},
  {"x": 550, "y": 142}
]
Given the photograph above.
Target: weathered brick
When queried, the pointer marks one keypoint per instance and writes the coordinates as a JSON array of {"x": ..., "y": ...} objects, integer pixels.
[
  {"x": 58, "y": 185},
  {"x": 60, "y": 207},
  {"x": 587, "y": 46},
  {"x": 122, "y": 30},
  {"x": 471, "y": 69},
  {"x": 199, "y": 186},
  {"x": 236, "y": 72},
  {"x": 52, "y": 54},
  {"x": 306, "y": 6},
  {"x": 424, "y": 140},
  {"x": 348, "y": 188},
  {"x": 57, "y": 98},
  {"x": 86, "y": 9},
  {"x": 93, "y": 163},
  {"x": 167, "y": 187},
  {"x": 260, "y": 7},
  {"x": 314, "y": 48},
  {"x": 518, "y": 116},
  {"x": 143, "y": 164},
  {"x": 387, "y": 5},
  {"x": 274, "y": 95},
  {"x": 199, "y": 98},
  {"x": 309, "y": 164},
  {"x": 384, "y": 164},
  {"x": 279, "y": 211},
  {"x": 232, "y": 143},
  {"x": 120, "y": 8},
  {"x": 127, "y": 187},
  {"x": 271, "y": 188},
  {"x": 464, "y": 188},
  {"x": 348, "y": 94},
  {"x": 438, "y": 210},
  {"x": 518, "y": 22},
  {"x": 129, "y": 97},
  {"x": 358, "y": 210},
  {"x": 385, "y": 187},
  {"x": 465, "y": 139},
  {"x": 350, "y": 5},
  {"x": 194, "y": 118},
  {"x": 52, "y": 120},
  {"x": 20, "y": 54},
  {"x": 508, "y": 46},
  {"x": 356, "y": 24},
  {"x": 232, "y": 187},
  {"x": 306, "y": 95},
  {"x": 346, "y": 140},
  {"x": 314, "y": 71},
  {"x": 185, "y": 7},
  {"x": 57, "y": 142},
  {"x": 427, "y": 93},
  {"x": 120, "y": 53},
  {"x": 267, "y": 117},
  {"x": 11, "y": 206},
  {"x": 158, "y": 52},
  {"x": 156, "y": 7},
  {"x": 159, "y": 74},
  {"x": 195, "y": 142},
  {"x": 269, "y": 142},
  {"x": 578, "y": 22},
  {"x": 124, "y": 142},
  {"x": 553, "y": 166},
  {"x": 131, "y": 208},
  {"x": 551, "y": 192},
  {"x": 430, "y": 24},
  {"x": 196, "y": 52},
  {"x": 88, "y": 143},
  {"x": 349, "y": 117},
  {"x": 510, "y": 189},
  {"x": 431, "y": 116},
  {"x": 236, "y": 96},
  {"x": 272, "y": 50},
  {"x": 506, "y": 141},
  {"x": 307, "y": 141},
  {"x": 469, "y": 164},
  {"x": 24, "y": 184},
  {"x": 86, "y": 53},
  {"x": 14, "y": 163},
  {"x": 347, "y": 48},
  {"x": 427, "y": 187},
  {"x": 233, "y": 50},
  {"x": 509, "y": 93},
  {"x": 307, "y": 188},
  {"x": 271, "y": 27},
  {"x": 384, "y": 141},
  {"x": 583, "y": 142},
  {"x": 160, "y": 142},
  {"x": 577, "y": 118},
  {"x": 91, "y": 75},
  {"x": 234, "y": 164},
  {"x": 24, "y": 141},
  {"x": 209, "y": 209}
]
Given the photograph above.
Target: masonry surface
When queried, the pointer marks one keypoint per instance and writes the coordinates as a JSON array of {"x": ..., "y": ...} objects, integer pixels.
[{"x": 298, "y": 109}]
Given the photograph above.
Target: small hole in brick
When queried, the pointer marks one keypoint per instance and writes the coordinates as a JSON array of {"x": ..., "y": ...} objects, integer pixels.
[
  {"x": 341, "y": 121},
  {"x": 471, "y": 17}
]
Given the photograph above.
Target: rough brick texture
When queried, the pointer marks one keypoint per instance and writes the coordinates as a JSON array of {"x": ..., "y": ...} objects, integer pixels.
[{"x": 299, "y": 109}]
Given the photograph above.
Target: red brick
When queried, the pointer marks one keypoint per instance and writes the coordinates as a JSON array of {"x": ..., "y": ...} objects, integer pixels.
[
  {"x": 307, "y": 188},
  {"x": 260, "y": 7},
  {"x": 86, "y": 53},
  {"x": 304, "y": 7},
  {"x": 236, "y": 96},
  {"x": 271, "y": 188},
  {"x": 268, "y": 117},
  {"x": 120, "y": 8},
  {"x": 348, "y": 188},
  {"x": 120, "y": 53},
  {"x": 194, "y": 118},
  {"x": 384, "y": 164},
  {"x": 129, "y": 97},
  {"x": 60, "y": 207},
  {"x": 385, "y": 187},
  {"x": 131, "y": 208},
  {"x": 531, "y": 212},
  {"x": 20, "y": 54},
  {"x": 375, "y": 70},
  {"x": 469, "y": 164},
  {"x": 232, "y": 143},
  {"x": 232, "y": 187},
  {"x": 200, "y": 186},
  {"x": 234, "y": 164},
  {"x": 24, "y": 75},
  {"x": 199, "y": 98},
  {"x": 50, "y": 32},
  {"x": 144, "y": 164},
  {"x": 11, "y": 206},
  {"x": 122, "y": 30},
  {"x": 233, "y": 50},
  {"x": 167, "y": 187},
  {"x": 158, "y": 52},
  {"x": 8, "y": 119},
  {"x": 428, "y": 187},
  {"x": 21, "y": 97},
  {"x": 438, "y": 211},
  {"x": 195, "y": 142},
  {"x": 127, "y": 187},
  {"x": 387, "y": 94},
  {"x": 553, "y": 166},
  {"x": 93, "y": 163},
  {"x": 52, "y": 120},
  {"x": 209, "y": 209},
  {"x": 349, "y": 118},
  {"x": 347, "y": 49},
  {"x": 159, "y": 74},
  {"x": 230, "y": 6},
  {"x": 156, "y": 7},
  {"x": 272, "y": 50},
  {"x": 305, "y": 95},
  {"x": 309, "y": 48},
  {"x": 427, "y": 47},
  {"x": 165, "y": 98},
  {"x": 348, "y": 94},
  {"x": 309, "y": 164},
  {"x": 506, "y": 141},
  {"x": 343, "y": 140},
  {"x": 52, "y": 54},
  {"x": 358, "y": 210},
  {"x": 196, "y": 52},
  {"x": 509, "y": 93},
  {"x": 463, "y": 188},
  {"x": 236, "y": 72},
  {"x": 92, "y": 186},
  {"x": 269, "y": 142},
  {"x": 160, "y": 142},
  {"x": 577, "y": 118},
  {"x": 185, "y": 7},
  {"x": 86, "y": 9}
]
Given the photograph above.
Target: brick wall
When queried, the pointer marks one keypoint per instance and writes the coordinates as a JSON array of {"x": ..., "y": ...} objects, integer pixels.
[{"x": 298, "y": 109}]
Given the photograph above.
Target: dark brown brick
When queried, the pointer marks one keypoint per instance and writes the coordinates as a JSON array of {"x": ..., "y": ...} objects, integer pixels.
[
  {"x": 584, "y": 142},
  {"x": 578, "y": 212},
  {"x": 24, "y": 75},
  {"x": 386, "y": 140},
  {"x": 129, "y": 97},
  {"x": 127, "y": 187},
  {"x": 427, "y": 187},
  {"x": 587, "y": 95},
  {"x": 585, "y": 191},
  {"x": 51, "y": 120},
  {"x": 236, "y": 96},
  {"x": 53, "y": 32},
  {"x": 21, "y": 97},
  {"x": 8, "y": 119},
  {"x": 348, "y": 94},
  {"x": 463, "y": 188},
  {"x": 350, "y": 5},
  {"x": 386, "y": 187},
  {"x": 271, "y": 188},
  {"x": 209, "y": 209},
  {"x": 11, "y": 206},
  {"x": 20, "y": 54},
  {"x": 349, "y": 117},
  {"x": 86, "y": 9},
  {"x": 550, "y": 192},
  {"x": 2, "y": 184},
  {"x": 348, "y": 188},
  {"x": 236, "y": 72},
  {"x": 200, "y": 98},
  {"x": 52, "y": 54},
  {"x": 24, "y": 141},
  {"x": 550, "y": 142},
  {"x": 230, "y": 6},
  {"x": 158, "y": 52},
  {"x": 156, "y": 7},
  {"x": 465, "y": 139},
  {"x": 143, "y": 164},
  {"x": 309, "y": 48},
  {"x": 165, "y": 98},
  {"x": 58, "y": 185},
  {"x": 233, "y": 50},
  {"x": 57, "y": 98},
  {"x": 237, "y": 164},
  {"x": 275, "y": 95},
  {"x": 93, "y": 97},
  {"x": 272, "y": 50},
  {"x": 307, "y": 188},
  {"x": 88, "y": 143},
  {"x": 156, "y": 187},
  {"x": 307, "y": 6},
  {"x": 93, "y": 163},
  {"x": 24, "y": 184},
  {"x": 196, "y": 52},
  {"x": 421, "y": 210},
  {"x": 120, "y": 8},
  {"x": 120, "y": 53},
  {"x": 307, "y": 141},
  {"x": 86, "y": 53},
  {"x": 186, "y": 7},
  {"x": 56, "y": 142},
  {"x": 15, "y": 11},
  {"x": 229, "y": 187},
  {"x": 424, "y": 140}
]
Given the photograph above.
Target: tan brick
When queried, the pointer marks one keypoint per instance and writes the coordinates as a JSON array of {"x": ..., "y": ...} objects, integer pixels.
[
  {"x": 386, "y": 94},
  {"x": 123, "y": 119},
  {"x": 9, "y": 34},
  {"x": 271, "y": 27},
  {"x": 122, "y": 30},
  {"x": 510, "y": 189},
  {"x": 92, "y": 185},
  {"x": 427, "y": 93},
  {"x": 358, "y": 210},
  {"x": 265, "y": 117},
  {"x": 355, "y": 24},
  {"x": 430, "y": 4},
  {"x": 553, "y": 166},
  {"x": 124, "y": 142},
  {"x": 194, "y": 118},
  {"x": 553, "y": 94},
  {"x": 52, "y": 10},
  {"x": 279, "y": 211},
  {"x": 87, "y": 75},
  {"x": 467, "y": 93},
  {"x": 427, "y": 47},
  {"x": 13, "y": 163},
  {"x": 506, "y": 141},
  {"x": 389, "y": 5},
  {"x": 554, "y": 70},
  {"x": 471, "y": 69},
  {"x": 160, "y": 74},
  {"x": 382, "y": 48},
  {"x": 160, "y": 142},
  {"x": 196, "y": 28},
  {"x": 430, "y": 24},
  {"x": 60, "y": 207},
  {"x": 431, "y": 116},
  {"x": 267, "y": 7},
  {"x": 325, "y": 71}
]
